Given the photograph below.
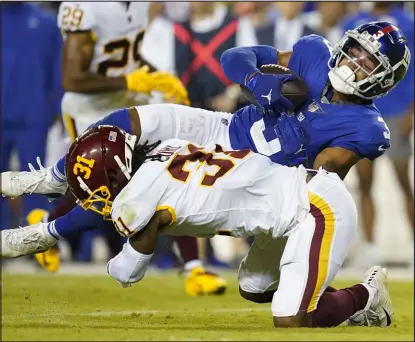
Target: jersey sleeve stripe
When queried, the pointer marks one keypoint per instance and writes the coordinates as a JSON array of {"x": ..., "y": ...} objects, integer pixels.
[
  {"x": 170, "y": 210},
  {"x": 319, "y": 255},
  {"x": 70, "y": 126}
]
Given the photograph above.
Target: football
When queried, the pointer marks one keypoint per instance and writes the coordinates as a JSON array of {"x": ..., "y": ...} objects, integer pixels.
[{"x": 295, "y": 90}]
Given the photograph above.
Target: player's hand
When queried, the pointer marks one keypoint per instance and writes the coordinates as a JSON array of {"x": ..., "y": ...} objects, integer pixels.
[
  {"x": 266, "y": 89},
  {"x": 140, "y": 80},
  {"x": 171, "y": 86},
  {"x": 291, "y": 137}
]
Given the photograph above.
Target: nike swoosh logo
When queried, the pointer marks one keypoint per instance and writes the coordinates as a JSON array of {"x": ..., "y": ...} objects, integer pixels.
[
  {"x": 381, "y": 148},
  {"x": 388, "y": 318}
]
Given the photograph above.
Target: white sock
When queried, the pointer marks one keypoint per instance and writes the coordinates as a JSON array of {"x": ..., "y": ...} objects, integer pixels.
[{"x": 49, "y": 230}]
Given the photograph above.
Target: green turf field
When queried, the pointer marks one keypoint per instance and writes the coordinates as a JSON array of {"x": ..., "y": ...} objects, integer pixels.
[{"x": 57, "y": 307}]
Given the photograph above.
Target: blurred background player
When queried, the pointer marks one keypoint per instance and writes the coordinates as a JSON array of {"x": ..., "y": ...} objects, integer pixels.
[
  {"x": 191, "y": 49},
  {"x": 102, "y": 70},
  {"x": 326, "y": 19},
  {"x": 31, "y": 91},
  {"x": 397, "y": 109}
]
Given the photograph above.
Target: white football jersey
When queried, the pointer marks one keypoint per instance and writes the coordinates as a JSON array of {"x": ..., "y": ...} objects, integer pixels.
[
  {"x": 118, "y": 32},
  {"x": 209, "y": 191}
]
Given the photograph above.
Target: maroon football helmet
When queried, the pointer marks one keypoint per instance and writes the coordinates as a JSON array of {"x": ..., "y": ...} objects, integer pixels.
[{"x": 98, "y": 166}]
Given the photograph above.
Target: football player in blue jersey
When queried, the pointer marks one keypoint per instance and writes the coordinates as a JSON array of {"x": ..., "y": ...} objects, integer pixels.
[
  {"x": 341, "y": 125},
  {"x": 336, "y": 127}
]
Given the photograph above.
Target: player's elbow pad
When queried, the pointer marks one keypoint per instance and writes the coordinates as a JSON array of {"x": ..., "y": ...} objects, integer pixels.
[{"x": 129, "y": 266}]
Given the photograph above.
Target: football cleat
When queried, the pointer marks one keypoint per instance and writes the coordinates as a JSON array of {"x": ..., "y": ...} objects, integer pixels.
[
  {"x": 42, "y": 181},
  {"x": 49, "y": 260},
  {"x": 201, "y": 282},
  {"x": 378, "y": 312},
  {"x": 26, "y": 240}
]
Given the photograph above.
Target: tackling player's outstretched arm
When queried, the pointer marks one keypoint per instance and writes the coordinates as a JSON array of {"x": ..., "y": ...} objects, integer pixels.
[
  {"x": 336, "y": 159},
  {"x": 77, "y": 56},
  {"x": 131, "y": 264}
]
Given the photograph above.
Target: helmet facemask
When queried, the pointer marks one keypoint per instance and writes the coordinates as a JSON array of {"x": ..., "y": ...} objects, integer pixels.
[
  {"x": 377, "y": 81},
  {"x": 100, "y": 199}
]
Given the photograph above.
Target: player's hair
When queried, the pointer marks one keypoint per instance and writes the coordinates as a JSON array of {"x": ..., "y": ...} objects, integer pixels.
[{"x": 140, "y": 154}]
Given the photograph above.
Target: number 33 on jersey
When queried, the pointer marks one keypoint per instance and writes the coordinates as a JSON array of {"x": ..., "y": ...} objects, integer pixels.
[
  {"x": 116, "y": 28},
  {"x": 208, "y": 191}
]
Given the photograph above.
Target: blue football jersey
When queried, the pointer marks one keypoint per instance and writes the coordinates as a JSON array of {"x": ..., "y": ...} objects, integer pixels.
[{"x": 355, "y": 127}]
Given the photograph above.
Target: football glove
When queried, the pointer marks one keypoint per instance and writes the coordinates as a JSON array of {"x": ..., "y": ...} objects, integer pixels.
[
  {"x": 140, "y": 80},
  {"x": 291, "y": 137},
  {"x": 171, "y": 86},
  {"x": 266, "y": 89}
]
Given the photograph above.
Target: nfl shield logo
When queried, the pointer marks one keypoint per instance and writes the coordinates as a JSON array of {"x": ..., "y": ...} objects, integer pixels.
[{"x": 113, "y": 136}]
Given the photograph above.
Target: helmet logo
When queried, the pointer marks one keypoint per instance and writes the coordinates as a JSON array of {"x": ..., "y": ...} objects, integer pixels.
[
  {"x": 384, "y": 31},
  {"x": 378, "y": 34}
]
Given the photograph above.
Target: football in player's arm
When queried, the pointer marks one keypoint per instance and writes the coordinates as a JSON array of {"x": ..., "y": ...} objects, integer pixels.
[{"x": 333, "y": 159}]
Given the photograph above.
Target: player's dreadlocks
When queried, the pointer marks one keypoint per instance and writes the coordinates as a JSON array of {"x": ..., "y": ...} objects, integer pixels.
[{"x": 140, "y": 154}]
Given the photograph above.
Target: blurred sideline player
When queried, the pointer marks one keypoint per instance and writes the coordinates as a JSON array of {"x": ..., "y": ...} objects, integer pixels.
[{"x": 102, "y": 71}]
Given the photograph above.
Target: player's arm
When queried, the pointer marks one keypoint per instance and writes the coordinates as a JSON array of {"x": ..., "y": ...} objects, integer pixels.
[
  {"x": 241, "y": 63},
  {"x": 142, "y": 228},
  {"x": 78, "y": 51},
  {"x": 336, "y": 159}
]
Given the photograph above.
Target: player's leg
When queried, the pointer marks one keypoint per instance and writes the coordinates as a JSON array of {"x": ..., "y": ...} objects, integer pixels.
[
  {"x": 170, "y": 121},
  {"x": 312, "y": 257},
  {"x": 308, "y": 266},
  {"x": 370, "y": 253},
  {"x": 259, "y": 273},
  {"x": 41, "y": 236}
]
